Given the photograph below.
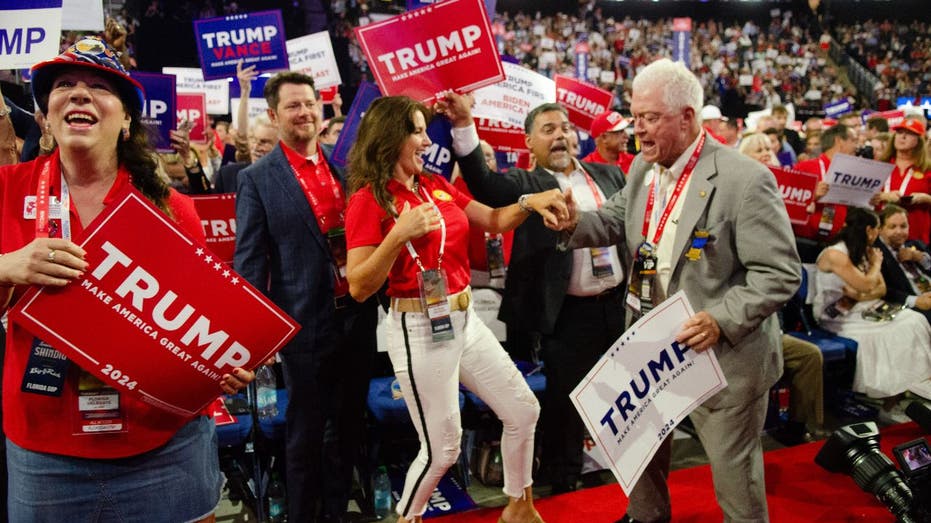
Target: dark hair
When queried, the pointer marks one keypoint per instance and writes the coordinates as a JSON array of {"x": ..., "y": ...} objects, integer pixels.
[
  {"x": 889, "y": 210},
  {"x": 331, "y": 121},
  {"x": 273, "y": 86},
  {"x": 829, "y": 136},
  {"x": 879, "y": 123},
  {"x": 854, "y": 232},
  {"x": 385, "y": 126},
  {"x": 542, "y": 108},
  {"x": 138, "y": 156}
]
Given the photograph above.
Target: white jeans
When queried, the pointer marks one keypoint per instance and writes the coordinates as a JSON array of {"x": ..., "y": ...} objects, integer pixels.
[{"x": 429, "y": 374}]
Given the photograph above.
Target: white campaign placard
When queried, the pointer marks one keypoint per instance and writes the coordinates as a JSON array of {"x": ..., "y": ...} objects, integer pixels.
[
  {"x": 512, "y": 99},
  {"x": 29, "y": 32},
  {"x": 257, "y": 106},
  {"x": 191, "y": 80},
  {"x": 313, "y": 55},
  {"x": 853, "y": 180},
  {"x": 82, "y": 15},
  {"x": 645, "y": 384}
]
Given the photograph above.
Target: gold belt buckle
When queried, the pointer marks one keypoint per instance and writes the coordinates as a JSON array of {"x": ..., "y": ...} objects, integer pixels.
[{"x": 463, "y": 300}]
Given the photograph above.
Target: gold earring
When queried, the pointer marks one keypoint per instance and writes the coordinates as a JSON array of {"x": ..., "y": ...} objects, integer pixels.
[{"x": 125, "y": 134}]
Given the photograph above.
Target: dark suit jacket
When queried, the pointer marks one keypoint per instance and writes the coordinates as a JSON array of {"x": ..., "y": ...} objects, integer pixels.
[
  {"x": 281, "y": 250},
  {"x": 538, "y": 274},
  {"x": 226, "y": 179},
  {"x": 898, "y": 287}
]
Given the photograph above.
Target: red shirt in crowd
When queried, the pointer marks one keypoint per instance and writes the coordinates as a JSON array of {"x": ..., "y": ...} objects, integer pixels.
[
  {"x": 367, "y": 224},
  {"x": 819, "y": 167},
  {"x": 912, "y": 181},
  {"x": 47, "y": 423},
  {"x": 624, "y": 159},
  {"x": 478, "y": 253}
]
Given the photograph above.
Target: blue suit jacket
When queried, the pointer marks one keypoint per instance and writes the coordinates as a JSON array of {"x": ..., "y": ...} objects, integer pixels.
[{"x": 282, "y": 252}]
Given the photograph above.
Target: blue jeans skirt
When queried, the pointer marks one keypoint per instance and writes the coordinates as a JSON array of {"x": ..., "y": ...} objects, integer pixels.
[{"x": 179, "y": 481}]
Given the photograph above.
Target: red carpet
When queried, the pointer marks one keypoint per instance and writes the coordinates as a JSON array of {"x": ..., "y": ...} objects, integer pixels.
[{"x": 798, "y": 491}]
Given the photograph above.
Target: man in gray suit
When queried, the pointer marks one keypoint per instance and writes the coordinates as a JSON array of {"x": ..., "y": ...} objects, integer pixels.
[
  {"x": 290, "y": 245},
  {"x": 719, "y": 231}
]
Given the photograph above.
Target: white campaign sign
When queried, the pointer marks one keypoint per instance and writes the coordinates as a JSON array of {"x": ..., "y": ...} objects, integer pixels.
[
  {"x": 854, "y": 180},
  {"x": 512, "y": 99},
  {"x": 313, "y": 55},
  {"x": 645, "y": 384},
  {"x": 82, "y": 15},
  {"x": 191, "y": 80},
  {"x": 28, "y": 36}
]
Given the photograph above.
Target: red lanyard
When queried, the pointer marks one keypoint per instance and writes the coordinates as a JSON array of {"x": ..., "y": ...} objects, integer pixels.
[
  {"x": 680, "y": 185},
  {"x": 43, "y": 202},
  {"x": 323, "y": 175},
  {"x": 591, "y": 185}
]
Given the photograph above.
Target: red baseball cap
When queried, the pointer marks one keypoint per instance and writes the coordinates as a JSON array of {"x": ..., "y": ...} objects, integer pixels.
[
  {"x": 911, "y": 125},
  {"x": 609, "y": 121}
]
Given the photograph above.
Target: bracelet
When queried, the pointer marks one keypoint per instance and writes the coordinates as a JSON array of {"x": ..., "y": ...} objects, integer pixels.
[{"x": 522, "y": 203}]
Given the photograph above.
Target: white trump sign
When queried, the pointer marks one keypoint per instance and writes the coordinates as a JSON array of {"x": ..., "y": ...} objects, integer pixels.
[
  {"x": 29, "y": 32},
  {"x": 645, "y": 384}
]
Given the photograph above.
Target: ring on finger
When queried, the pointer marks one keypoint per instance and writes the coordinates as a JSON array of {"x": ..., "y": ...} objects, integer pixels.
[{"x": 51, "y": 256}]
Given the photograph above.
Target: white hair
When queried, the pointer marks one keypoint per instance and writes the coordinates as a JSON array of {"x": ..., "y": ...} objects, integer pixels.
[{"x": 679, "y": 86}]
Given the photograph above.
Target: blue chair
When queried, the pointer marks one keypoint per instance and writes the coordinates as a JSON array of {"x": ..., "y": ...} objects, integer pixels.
[{"x": 834, "y": 348}]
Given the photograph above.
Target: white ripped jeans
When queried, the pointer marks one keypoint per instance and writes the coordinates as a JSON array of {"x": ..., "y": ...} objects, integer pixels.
[{"x": 429, "y": 374}]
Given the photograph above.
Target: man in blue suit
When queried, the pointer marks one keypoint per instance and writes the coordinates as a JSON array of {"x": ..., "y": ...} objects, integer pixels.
[{"x": 291, "y": 245}]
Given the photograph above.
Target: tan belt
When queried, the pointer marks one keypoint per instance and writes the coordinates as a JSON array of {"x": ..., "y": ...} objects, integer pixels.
[{"x": 457, "y": 302}]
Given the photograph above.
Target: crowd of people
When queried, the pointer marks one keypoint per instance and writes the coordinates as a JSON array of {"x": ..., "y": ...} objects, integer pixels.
[{"x": 597, "y": 243}]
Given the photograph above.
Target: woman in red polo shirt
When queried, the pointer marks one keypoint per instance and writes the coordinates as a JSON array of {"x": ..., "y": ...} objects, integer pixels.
[
  {"x": 909, "y": 185},
  {"x": 145, "y": 464},
  {"x": 413, "y": 228}
]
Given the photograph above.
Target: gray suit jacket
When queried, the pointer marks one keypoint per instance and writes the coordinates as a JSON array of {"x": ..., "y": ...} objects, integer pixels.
[{"x": 747, "y": 271}]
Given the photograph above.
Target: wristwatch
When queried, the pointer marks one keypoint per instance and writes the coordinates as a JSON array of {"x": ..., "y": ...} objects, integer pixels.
[{"x": 522, "y": 203}]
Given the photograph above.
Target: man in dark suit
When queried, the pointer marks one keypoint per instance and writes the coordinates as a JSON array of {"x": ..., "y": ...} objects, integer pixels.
[
  {"x": 290, "y": 244},
  {"x": 906, "y": 266},
  {"x": 572, "y": 301},
  {"x": 718, "y": 230},
  {"x": 263, "y": 136}
]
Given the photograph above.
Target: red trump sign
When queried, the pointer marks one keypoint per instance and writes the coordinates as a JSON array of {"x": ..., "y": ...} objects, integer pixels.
[
  {"x": 156, "y": 315},
  {"x": 582, "y": 100},
  {"x": 502, "y": 136},
  {"x": 192, "y": 108},
  {"x": 448, "y": 45},
  {"x": 218, "y": 216},
  {"x": 797, "y": 189}
]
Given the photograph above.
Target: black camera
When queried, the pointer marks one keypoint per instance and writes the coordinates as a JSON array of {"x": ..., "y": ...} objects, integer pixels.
[
  {"x": 864, "y": 151},
  {"x": 854, "y": 450}
]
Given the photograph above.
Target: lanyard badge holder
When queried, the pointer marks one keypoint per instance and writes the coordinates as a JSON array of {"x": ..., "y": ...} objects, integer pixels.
[
  {"x": 827, "y": 220},
  {"x": 433, "y": 284},
  {"x": 494, "y": 254},
  {"x": 640, "y": 295}
]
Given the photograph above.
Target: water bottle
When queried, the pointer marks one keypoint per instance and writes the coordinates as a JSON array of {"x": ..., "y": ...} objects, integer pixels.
[
  {"x": 266, "y": 392},
  {"x": 382, "y": 493},
  {"x": 277, "y": 508}
]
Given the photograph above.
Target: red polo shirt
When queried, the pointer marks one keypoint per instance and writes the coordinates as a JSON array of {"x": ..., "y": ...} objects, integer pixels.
[
  {"x": 367, "y": 224},
  {"x": 323, "y": 191},
  {"x": 44, "y": 423},
  {"x": 819, "y": 167},
  {"x": 919, "y": 216}
]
